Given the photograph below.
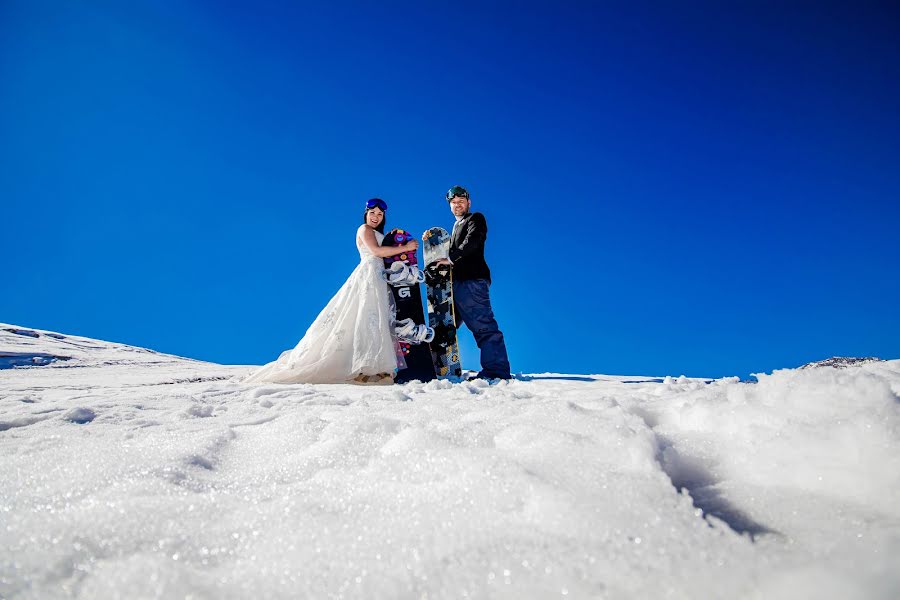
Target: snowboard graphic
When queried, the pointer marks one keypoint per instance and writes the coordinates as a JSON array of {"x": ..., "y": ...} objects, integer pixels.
[
  {"x": 439, "y": 289},
  {"x": 408, "y": 300}
]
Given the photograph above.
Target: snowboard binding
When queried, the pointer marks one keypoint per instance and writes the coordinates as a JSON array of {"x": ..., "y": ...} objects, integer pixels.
[
  {"x": 408, "y": 331},
  {"x": 401, "y": 273}
]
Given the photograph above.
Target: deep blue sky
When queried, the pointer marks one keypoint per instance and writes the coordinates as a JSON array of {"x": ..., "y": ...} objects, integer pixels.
[{"x": 701, "y": 189}]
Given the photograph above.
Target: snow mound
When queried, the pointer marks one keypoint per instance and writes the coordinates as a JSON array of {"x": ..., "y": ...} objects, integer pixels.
[{"x": 21, "y": 347}]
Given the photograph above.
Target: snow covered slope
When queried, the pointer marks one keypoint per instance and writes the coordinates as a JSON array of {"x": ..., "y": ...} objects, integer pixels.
[{"x": 125, "y": 473}]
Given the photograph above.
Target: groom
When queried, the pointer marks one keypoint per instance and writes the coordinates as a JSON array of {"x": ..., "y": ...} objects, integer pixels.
[{"x": 471, "y": 285}]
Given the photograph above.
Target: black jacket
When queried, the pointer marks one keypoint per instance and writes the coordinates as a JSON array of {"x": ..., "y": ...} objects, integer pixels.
[{"x": 467, "y": 248}]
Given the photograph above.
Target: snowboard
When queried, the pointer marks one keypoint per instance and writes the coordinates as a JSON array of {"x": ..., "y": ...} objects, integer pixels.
[
  {"x": 408, "y": 301},
  {"x": 439, "y": 290}
]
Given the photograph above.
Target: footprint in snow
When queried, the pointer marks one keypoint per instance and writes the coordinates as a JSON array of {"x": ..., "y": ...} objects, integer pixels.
[
  {"x": 199, "y": 410},
  {"x": 80, "y": 415}
]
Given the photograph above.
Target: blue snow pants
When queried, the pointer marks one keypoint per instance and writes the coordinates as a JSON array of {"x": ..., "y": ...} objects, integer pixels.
[{"x": 472, "y": 303}]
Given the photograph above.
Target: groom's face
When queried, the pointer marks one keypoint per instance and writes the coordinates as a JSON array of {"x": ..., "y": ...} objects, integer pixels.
[{"x": 459, "y": 205}]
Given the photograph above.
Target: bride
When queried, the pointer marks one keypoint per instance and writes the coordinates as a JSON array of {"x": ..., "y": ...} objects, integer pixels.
[{"x": 352, "y": 339}]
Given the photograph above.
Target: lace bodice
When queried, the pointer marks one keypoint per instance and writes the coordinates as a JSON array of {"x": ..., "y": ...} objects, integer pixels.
[{"x": 364, "y": 252}]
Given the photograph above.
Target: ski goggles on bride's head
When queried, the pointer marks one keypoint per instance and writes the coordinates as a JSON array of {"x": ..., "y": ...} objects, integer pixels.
[
  {"x": 376, "y": 203},
  {"x": 457, "y": 190}
]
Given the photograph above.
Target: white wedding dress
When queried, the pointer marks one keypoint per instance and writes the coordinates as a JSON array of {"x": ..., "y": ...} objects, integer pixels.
[{"x": 352, "y": 336}]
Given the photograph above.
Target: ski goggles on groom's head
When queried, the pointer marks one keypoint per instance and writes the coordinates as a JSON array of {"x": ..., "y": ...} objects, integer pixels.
[
  {"x": 376, "y": 203},
  {"x": 457, "y": 190}
]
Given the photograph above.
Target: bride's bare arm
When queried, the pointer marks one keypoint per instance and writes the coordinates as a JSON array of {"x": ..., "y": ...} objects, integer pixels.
[{"x": 384, "y": 251}]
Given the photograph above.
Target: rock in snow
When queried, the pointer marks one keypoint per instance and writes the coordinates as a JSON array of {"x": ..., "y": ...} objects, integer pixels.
[
  {"x": 841, "y": 362},
  {"x": 126, "y": 473}
]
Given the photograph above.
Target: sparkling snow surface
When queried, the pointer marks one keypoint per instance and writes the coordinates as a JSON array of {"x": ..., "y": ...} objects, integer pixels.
[{"x": 126, "y": 473}]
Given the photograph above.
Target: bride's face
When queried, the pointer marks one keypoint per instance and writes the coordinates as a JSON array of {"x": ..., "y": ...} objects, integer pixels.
[{"x": 374, "y": 217}]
